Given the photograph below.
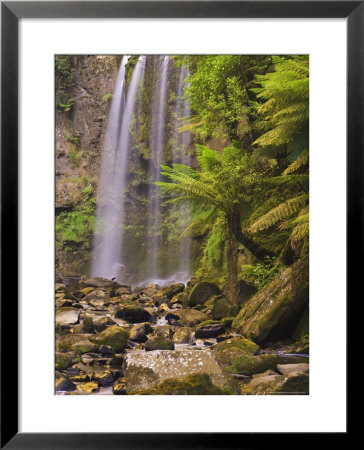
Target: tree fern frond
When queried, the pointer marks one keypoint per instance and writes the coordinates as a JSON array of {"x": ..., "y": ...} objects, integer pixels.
[
  {"x": 301, "y": 161},
  {"x": 278, "y": 213}
]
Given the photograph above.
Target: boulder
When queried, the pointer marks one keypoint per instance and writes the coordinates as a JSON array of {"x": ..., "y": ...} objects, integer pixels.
[
  {"x": 133, "y": 314},
  {"x": 139, "y": 332},
  {"x": 63, "y": 360},
  {"x": 114, "y": 336},
  {"x": 182, "y": 335},
  {"x": 159, "y": 343},
  {"x": 87, "y": 388},
  {"x": 173, "y": 289},
  {"x": 102, "y": 323},
  {"x": 210, "y": 331},
  {"x": 119, "y": 387},
  {"x": 84, "y": 347},
  {"x": 201, "y": 292},
  {"x": 187, "y": 316},
  {"x": 64, "y": 385},
  {"x": 103, "y": 379},
  {"x": 146, "y": 370},
  {"x": 86, "y": 326},
  {"x": 124, "y": 289},
  {"x": 98, "y": 282},
  {"x": 249, "y": 365},
  {"x": 273, "y": 311},
  {"x": 67, "y": 316},
  {"x": 223, "y": 308},
  {"x": 225, "y": 351},
  {"x": 296, "y": 383},
  {"x": 286, "y": 369}
]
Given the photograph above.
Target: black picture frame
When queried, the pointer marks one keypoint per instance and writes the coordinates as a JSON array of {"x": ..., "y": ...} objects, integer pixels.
[{"x": 11, "y": 12}]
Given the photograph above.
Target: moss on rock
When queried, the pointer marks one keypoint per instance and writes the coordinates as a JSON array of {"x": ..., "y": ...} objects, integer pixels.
[
  {"x": 248, "y": 365},
  {"x": 114, "y": 336}
]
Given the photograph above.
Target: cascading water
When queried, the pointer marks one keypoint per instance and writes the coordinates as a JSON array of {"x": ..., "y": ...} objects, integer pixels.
[
  {"x": 156, "y": 151},
  {"x": 109, "y": 220},
  {"x": 129, "y": 243}
]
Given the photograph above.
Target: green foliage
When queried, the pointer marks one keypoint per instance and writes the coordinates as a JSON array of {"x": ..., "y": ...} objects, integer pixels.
[
  {"x": 64, "y": 71},
  {"x": 75, "y": 156},
  {"x": 285, "y": 91},
  {"x": 65, "y": 103},
  {"x": 262, "y": 273},
  {"x": 74, "y": 139},
  {"x": 75, "y": 228},
  {"x": 218, "y": 92},
  {"x": 107, "y": 97}
]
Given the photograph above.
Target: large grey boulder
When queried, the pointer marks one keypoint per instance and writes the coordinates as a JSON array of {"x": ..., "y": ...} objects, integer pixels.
[{"x": 145, "y": 370}]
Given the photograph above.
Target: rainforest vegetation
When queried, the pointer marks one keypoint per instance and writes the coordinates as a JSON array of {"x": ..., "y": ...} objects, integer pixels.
[{"x": 182, "y": 220}]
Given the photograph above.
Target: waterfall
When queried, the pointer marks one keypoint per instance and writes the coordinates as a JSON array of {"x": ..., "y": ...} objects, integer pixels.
[
  {"x": 182, "y": 141},
  {"x": 130, "y": 240},
  {"x": 157, "y": 146},
  {"x": 110, "y": 210}
]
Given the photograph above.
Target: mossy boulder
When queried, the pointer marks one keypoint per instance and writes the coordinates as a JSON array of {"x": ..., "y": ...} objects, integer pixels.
[
  {"x": 201, "y": 292},
  {"x": 147, "y": 370},
  {"x": 86, "y": 326},
  {"x": 186, "y": 316},
  {"x": 133, "y": 314},
  {"x": 64, "y": 385},
  {"x": 210, "y": 331},
  {"x": 273, "y": 311},
  {"x": 182, "y": 335},
  {"x": 173, "y": 289},
  {"x": 248, "y": 365},
  {"x": 63, "y": 360},
  {"x": 139, "y": 332},
  {"x": 114, "y": 336},
  {"x": 98, "y": 282},
  {"x": 245, "y": 291},
  {"x": 225, "y": 351},
  {"x": 84, "y": 347},
  {"x": 296, "y": 383},
  {"x": 195, "y": 384},
  {"x": 159, "y": 343},
  {"x": 87, "y": 388},
  {"x": 223, "y": 308},
  {"x": 102, "y": 323}
]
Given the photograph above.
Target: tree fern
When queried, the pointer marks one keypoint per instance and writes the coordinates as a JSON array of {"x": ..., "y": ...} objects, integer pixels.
[{"x": 278, "y": 213}]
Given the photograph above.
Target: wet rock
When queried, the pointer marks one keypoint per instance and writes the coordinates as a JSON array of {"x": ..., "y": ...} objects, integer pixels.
[
  {"x": 87, "y": 388},
  {"x": 114, "y": 336},
  {"x": 187, "y": 316},
  {"x": 139, "y": 332},
  {"x": 86, "y": 326},
  {"x": 201, "y": 292},
  {"x": 248, "y": 365},
  {"x": 210, "y": 331},
  {"x": 95, "y": 295},
  {"x": 146, "y": 370},
  {"x": 67, "y": 316},
  {"x": 103, "y": 378},
  {"x": 119, "y": 387},
  {"x": 183, "y": 335},
  {"x": 63, "y": 360},
  {"x": 123, "y": 289},
  {"x": 286, "y": 369},
  {"x": 80, "y": 378},
  {"x": 117, "y": 361},
  {"x": 88, "y": 358},
  {"x": 262, "y": 385},
  {"x": 84, "y": 347},
  {"x": 223, "y": 308},
  {"x": 102, "y": 323},
  {"x": 271, "y": 313},
  {"x": 195, "y": 384},
  {"x": 150, "y": 289},
  {"x": 133, "y": 314},
  {"x": 98, "y": 282},
  {"x": 65, "y": 342},
  {"x": 59, "y": 287},
  {"x": 106, "y": 350},
  {"x": 225, "y": 351},
  {"x": 64, "y": 385},
  {"x": 173, "y": 289},
  {"x": 296, "y": 383},
  {"x": 159, "y": 343}
]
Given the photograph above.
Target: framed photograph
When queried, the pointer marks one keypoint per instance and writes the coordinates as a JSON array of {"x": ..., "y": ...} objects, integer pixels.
[{"x": 179, "y": 215}]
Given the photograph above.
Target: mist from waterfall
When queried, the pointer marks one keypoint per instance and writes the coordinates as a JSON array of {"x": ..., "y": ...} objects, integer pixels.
[
  {"x": 110, "y": 211},
  {"x": 141, "y": 257}
]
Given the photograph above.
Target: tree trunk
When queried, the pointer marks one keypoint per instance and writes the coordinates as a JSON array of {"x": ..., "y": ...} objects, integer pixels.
[
  {"x": 256, "y": 249},
  {"x": 232, "y": 265}
]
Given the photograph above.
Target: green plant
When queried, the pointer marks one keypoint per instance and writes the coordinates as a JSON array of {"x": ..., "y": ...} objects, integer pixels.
[
  {"x": 107, "y": 97},
  {"x": 74, "y": 139},
  {"x": 263, "y": 272},
  {"x": 64, "y": 71}
]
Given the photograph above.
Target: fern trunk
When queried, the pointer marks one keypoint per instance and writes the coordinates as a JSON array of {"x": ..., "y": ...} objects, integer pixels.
[{"x": 232, "y": 264}]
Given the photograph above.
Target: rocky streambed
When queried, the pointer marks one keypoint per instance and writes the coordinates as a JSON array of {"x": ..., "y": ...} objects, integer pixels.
[{"x": 112, "y": 339}]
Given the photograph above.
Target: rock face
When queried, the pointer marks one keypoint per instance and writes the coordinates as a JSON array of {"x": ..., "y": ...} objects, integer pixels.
[
  {"x": 147, "y": 370},
  {"x": 201, "y": 292},
  {"x": 272, "y": 312}
]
